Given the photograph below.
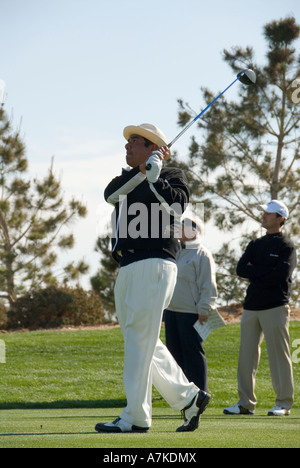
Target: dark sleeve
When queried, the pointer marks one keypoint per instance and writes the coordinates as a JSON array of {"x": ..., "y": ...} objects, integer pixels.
[
  {"x": 244, "y": 270},
  {"x": 267, "y": 275},
  {"x": 123, "y": 184},
  {"x": 247, "y": 267},
  {"x": 282, "y": 271},
  {"x": 172, "y": 189}
]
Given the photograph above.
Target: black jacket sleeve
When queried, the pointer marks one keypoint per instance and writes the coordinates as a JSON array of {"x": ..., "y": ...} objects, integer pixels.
[
  {"x": 123, "y": 184},
  {"x": 282, "y": 271},
  {"x": 267, "y": 275},
  {"x": 171, "y": 189},
  {"x": 247, "y": 266}
]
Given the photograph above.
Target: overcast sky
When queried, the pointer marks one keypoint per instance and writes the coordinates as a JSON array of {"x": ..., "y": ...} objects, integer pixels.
[{"x": 78, "y": 71}]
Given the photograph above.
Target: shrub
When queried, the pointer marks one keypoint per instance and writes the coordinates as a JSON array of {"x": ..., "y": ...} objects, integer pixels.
[{"x": 56, "y": 307}]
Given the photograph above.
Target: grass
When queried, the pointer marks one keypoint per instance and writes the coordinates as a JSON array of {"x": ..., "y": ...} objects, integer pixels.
[
  {"x": 74, "y": 428},
  {"x": 56, "y": 385}
]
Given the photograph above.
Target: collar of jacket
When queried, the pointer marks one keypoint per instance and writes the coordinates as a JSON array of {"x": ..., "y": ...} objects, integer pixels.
[{"x": 189, "y": 245}]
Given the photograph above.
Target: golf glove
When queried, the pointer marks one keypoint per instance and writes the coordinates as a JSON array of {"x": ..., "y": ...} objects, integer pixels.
[{"x": 153, "y": 167}]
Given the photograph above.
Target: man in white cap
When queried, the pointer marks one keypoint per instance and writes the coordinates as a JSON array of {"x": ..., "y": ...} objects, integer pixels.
[
  {"x": 147, "y": 199},
  {"x": 268, "y": 263}
]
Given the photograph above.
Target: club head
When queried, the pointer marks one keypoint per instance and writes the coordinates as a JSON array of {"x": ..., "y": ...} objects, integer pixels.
[{"x": 247, "y": 76}]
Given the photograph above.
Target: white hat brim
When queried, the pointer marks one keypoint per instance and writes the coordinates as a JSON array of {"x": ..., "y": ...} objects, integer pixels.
[
  {"x": 136, "y": 130},
  {"x": 263, "y": 207}
]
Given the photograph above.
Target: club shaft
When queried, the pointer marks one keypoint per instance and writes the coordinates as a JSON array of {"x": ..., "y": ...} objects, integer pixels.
[{"x": 199, "y": 115}]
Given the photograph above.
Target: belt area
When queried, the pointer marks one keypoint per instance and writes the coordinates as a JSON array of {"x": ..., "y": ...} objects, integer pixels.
[{"x": 133, "y": 255}]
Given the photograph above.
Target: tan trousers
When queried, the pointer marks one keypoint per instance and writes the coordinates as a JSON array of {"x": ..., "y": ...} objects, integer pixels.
[{"x": 273, "y": 324}]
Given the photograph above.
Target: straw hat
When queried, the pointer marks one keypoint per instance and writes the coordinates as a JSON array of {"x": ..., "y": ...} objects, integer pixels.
[{"x": 148, "y": 131}]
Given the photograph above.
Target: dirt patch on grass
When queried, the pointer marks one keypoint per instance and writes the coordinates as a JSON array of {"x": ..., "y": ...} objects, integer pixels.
[{"x": 233, "y": 313}]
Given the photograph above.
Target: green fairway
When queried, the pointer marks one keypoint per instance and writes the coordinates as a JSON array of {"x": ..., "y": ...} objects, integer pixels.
[
  {"x": 50, "y": 428},
  {"x": 56, "y": 385}
]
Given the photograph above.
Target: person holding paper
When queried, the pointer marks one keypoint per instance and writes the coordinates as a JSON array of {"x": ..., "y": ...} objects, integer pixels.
[{"x": 193, "y": 299}]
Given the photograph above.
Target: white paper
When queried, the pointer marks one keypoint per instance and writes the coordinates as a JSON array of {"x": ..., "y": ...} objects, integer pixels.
[{"x": 214, "y": 321}]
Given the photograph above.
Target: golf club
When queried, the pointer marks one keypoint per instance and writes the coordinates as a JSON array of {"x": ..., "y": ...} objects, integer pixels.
[{"x": 247, "y": 77}]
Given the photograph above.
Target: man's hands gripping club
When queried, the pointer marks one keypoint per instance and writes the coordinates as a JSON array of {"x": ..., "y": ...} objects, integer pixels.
[{"x": 152, "y": 167}]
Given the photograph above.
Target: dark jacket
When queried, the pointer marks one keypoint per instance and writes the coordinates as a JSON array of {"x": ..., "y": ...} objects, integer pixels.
[
  {"x": 268, "y": 263},
  {"x": 145, "y": 216}
]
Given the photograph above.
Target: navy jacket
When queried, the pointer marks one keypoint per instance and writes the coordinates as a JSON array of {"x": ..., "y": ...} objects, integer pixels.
[
  {"x": 145, "y": 213},
  {"x": 268, "y": 263}
]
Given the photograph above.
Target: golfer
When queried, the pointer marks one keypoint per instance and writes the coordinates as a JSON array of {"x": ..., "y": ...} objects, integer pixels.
[
  {"x": 147, "y": 199},
  {"x": 193, "y": 299},
  {"x": 268, "y": 263}
]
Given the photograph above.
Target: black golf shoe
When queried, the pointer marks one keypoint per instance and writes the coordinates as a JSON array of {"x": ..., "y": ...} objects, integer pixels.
[
  {"x": 193, "y": 411},
  {"x": 119, "y": 425}
]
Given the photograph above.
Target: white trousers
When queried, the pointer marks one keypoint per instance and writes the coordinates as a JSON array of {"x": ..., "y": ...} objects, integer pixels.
[{"x": 143, "y": 290}]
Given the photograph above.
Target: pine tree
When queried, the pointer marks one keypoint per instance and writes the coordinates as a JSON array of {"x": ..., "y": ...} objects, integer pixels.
[
  {"x": 249, "y": 151},
  {"x": 33, "y": 217},
  {"x": 103, "y": 281}
]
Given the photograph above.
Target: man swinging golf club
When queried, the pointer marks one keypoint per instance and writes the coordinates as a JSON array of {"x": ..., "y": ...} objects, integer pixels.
[{"x": 146, "y": 280}]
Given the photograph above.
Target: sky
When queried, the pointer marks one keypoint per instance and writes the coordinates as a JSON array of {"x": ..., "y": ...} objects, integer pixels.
[{"x": 78, "y": 71}]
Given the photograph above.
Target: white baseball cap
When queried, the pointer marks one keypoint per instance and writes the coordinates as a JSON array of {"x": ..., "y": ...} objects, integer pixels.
[{"x": 276, "y": 206}]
